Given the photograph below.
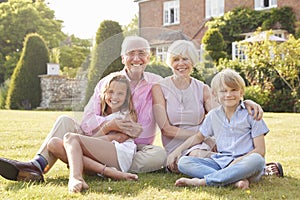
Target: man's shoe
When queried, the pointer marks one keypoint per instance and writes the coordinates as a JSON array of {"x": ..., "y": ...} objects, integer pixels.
[{"x": 20, "y": 171}]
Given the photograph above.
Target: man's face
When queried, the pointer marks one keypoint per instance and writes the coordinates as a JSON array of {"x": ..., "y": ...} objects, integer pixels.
[
  {"x": 136, "y": 61},
  {"x": 136, "y": 58}
]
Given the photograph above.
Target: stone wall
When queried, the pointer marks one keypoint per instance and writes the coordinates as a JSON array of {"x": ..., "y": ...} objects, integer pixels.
[{"x": 62, "y": 93}]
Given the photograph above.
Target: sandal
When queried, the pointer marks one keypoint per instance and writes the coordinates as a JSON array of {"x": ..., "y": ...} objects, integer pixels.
[{"x": 274, "y": 168}]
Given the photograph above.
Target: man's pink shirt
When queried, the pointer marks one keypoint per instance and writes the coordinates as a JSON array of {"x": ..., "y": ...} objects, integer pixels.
[{"x": 142, "y": 99}]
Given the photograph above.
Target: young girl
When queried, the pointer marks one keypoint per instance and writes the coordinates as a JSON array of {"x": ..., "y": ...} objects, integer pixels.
[
  {"x": 114, "y": 150},
  {"x": 239, "y": 139}
]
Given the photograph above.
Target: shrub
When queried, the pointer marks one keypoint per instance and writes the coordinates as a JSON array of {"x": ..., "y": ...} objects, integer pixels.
[
  {"x": 24, "y": 90},
  {"x": 106, "y": 54},
  {"x": 3, "y": 93}
]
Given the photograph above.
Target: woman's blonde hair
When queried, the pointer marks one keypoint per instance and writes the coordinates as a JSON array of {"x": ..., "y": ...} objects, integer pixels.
[
  {"x": 227, "y": 77},
  {"x": 128, "y": 103},
  {"x": 182, "y": 48}
]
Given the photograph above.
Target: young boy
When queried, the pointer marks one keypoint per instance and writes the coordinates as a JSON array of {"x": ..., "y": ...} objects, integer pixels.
[{"x": 239, "y": 138}]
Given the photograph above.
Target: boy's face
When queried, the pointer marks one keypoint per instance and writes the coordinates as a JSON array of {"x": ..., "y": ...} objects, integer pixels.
[{"x": 229, "y": 97}]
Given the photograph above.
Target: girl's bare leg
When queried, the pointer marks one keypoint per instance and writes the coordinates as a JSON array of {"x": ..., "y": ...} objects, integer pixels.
[
  {"x": 75, "y": 159},
  {"x": 91, "y": 151},
  {"x": 242, "y": 184},
  {"x": 190, "y": 182}
]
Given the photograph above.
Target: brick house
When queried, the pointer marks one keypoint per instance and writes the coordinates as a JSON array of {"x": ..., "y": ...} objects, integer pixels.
[{"x": 163, "y": 21}]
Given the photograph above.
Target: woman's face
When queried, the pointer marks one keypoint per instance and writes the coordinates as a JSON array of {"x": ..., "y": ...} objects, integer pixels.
[
  {"x": 115, "y": 95},
  {"x": 182, "y": 66}
]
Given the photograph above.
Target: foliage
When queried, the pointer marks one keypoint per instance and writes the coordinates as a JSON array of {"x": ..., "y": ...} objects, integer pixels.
[
  {"x": 19, "y": 18},
  {"x": 275, "y": 69},
  {"x": 159, "y": 68},
  {"x": 131, "y": 27},
  {"x": 73, "y": 53},
  {"x": 214, "y": 44},
  {"x": 106, "y": 54},
  {"x": 22, "y": 132},
  {"x": 270, "y": 64},
  {"x": 243, "y": 20},
  {"x": 257, "y": 94},
  {"x": 24, "y": 90},
  {"x": 3, "y": 93}
]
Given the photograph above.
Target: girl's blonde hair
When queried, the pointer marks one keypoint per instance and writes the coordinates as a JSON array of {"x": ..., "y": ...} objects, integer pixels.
[
  {"x": 127, "y": 105},
  {"x": 227, "y": 77},
  {"x": 182, "y": 48}
]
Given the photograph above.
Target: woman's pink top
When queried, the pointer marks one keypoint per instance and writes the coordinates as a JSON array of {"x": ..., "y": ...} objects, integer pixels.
[{"x": 185, "y": 108}]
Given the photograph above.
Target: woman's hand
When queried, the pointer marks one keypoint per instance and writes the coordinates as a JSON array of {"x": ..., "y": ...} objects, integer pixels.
[
  {"x": 254, "y": 109},
  {"x": 172, "y": 161}
]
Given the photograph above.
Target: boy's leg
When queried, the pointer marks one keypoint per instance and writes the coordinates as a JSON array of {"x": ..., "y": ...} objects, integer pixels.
[
  {"x": 251, "y": 167},
  {"x": 148, "y": 158}
]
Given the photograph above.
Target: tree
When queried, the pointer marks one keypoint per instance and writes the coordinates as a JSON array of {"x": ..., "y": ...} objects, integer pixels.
[
  {"x": 106, "y": 54},
  {"x": 73, "y": 52},
  {"x": 19, "y": 18},
  {"x": 214, "y": 44},
  {"x": 24, "y": 90},
  {"x": 275, "y": 67},
  {"x": 243, "y": 20}
]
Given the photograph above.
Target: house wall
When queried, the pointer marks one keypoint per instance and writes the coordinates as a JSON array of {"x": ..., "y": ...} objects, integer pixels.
[
  {"x": 192, "y": 16},
  {"x": 295, "y": 4}
]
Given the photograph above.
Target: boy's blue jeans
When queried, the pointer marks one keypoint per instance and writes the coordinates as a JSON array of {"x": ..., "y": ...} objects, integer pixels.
[{"x": 251, "y": 167}]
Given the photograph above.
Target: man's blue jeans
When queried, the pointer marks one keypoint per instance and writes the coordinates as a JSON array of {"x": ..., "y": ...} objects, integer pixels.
[{"x": 251, "y": 167}]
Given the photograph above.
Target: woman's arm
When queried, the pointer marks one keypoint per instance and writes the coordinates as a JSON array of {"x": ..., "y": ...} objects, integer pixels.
[
  {"x": 256, "y": 108},
  {"x": 176, "y": 154},
  {"x": 208, "y": 99},
  {"x": 160, "y": 115}
]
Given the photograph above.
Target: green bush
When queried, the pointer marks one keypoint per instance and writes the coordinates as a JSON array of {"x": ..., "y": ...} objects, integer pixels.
[
  {"x": 24, "y": 90},
  {"x": 3, "y": 93},
  {"x": 159, "y": 68},
  {"x": 106, "y": 54},
  {"x": 255, "y": 93}
]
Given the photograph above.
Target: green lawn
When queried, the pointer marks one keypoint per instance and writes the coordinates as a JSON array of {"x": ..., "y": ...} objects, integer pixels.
[{"x": 22, "y": 132}]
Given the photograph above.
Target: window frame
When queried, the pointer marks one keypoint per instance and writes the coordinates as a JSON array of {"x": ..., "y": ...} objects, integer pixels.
[
  {"x": 214, "y": 8},
  {"x": 171, "y": 12},
  {"x": 264, "y": 4}
]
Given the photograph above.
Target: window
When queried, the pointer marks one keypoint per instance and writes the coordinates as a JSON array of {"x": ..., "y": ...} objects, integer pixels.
[
  {"x": 214, "y": 8},
  {"x": 238, "y": 51},
  {"x": 171, "y": 12},
  {"x": 264, "y": 4},
  {"x": 161, "y": 53}
]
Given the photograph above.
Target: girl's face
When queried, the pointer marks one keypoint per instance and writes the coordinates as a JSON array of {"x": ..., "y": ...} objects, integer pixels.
[
  {"x": 229, "y": 97},
  {"x": 182, "y": 66},
  {"x": 115, "y": 95}
]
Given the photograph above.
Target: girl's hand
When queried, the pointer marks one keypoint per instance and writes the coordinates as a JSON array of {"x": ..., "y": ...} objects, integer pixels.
[
  {"x": 128, "y": 127},
  {"x": 119, "y": 137}
]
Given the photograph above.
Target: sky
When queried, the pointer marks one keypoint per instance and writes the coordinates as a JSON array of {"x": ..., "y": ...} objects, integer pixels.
[{"x": 83, "y": 18}]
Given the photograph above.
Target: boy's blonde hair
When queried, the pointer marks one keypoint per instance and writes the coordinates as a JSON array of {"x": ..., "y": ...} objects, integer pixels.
[
  {"x": 128, "y": 103},
  {"x": 182, "y": 48},
  {"x": 227, "y": 77}
]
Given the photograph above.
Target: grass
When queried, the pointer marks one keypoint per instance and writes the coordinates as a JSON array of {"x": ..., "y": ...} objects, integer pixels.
[{"x": 22, "y": 133}]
